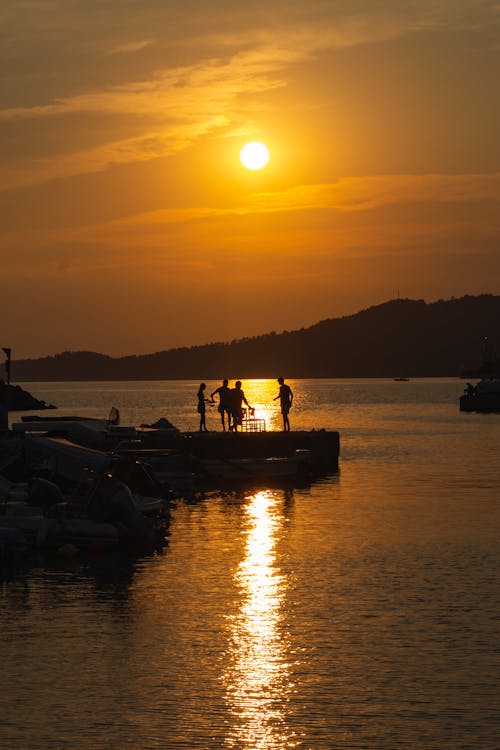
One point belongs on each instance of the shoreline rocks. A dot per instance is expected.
(17, 399)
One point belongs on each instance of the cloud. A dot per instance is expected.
(451, 213)
(183, 104)
(364, 193)
(174, 106)
(179, 93)
(346, 195)
(126, 48)
(141, 148)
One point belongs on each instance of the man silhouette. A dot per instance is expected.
(237, 399)
(223, 392)
(286, 397)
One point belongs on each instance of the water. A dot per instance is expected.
(359, 613)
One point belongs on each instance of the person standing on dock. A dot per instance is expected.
(223, 392)
(286, 398)
(202, 406)
(237, 399)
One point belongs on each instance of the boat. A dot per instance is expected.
(78, 469)
(489, 368)
(73, 495)
(88, 431)
(323, 446)
(292, 470)
(77, 450)
(482, 397)
(107, 517)
(41, 533)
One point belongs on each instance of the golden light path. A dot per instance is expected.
(258, 680)
(260, 394)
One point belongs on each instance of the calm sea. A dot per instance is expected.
(360, 613)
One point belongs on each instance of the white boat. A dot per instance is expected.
(83, 467)
(98, 433)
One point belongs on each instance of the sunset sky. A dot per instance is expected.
(129, 225)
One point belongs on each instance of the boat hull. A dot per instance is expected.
(480, 402)
(323, 446)
(51, 533)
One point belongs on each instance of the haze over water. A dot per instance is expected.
(361, 612)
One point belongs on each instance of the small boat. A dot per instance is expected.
(295, 469)
(86, 431)
(483, 397)
(44, 533)
(69, 462)
(108, 516)
(159, 462)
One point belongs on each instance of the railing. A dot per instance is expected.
(251, 424)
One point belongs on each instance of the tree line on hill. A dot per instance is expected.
(402, 337)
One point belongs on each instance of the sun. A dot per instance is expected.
(254, 155)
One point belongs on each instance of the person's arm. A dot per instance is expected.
(252, 410)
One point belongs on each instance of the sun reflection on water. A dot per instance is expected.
(258, 680)
(260, 394)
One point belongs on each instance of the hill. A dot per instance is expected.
(399, 337)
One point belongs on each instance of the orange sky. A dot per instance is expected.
(128, 223)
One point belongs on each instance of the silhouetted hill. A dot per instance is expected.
(398, 338)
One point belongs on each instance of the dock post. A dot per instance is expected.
(4, 414)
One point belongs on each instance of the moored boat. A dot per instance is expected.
(483, 397)
(43, 533)
(294, 470)
(77, 450)
(108, 517)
